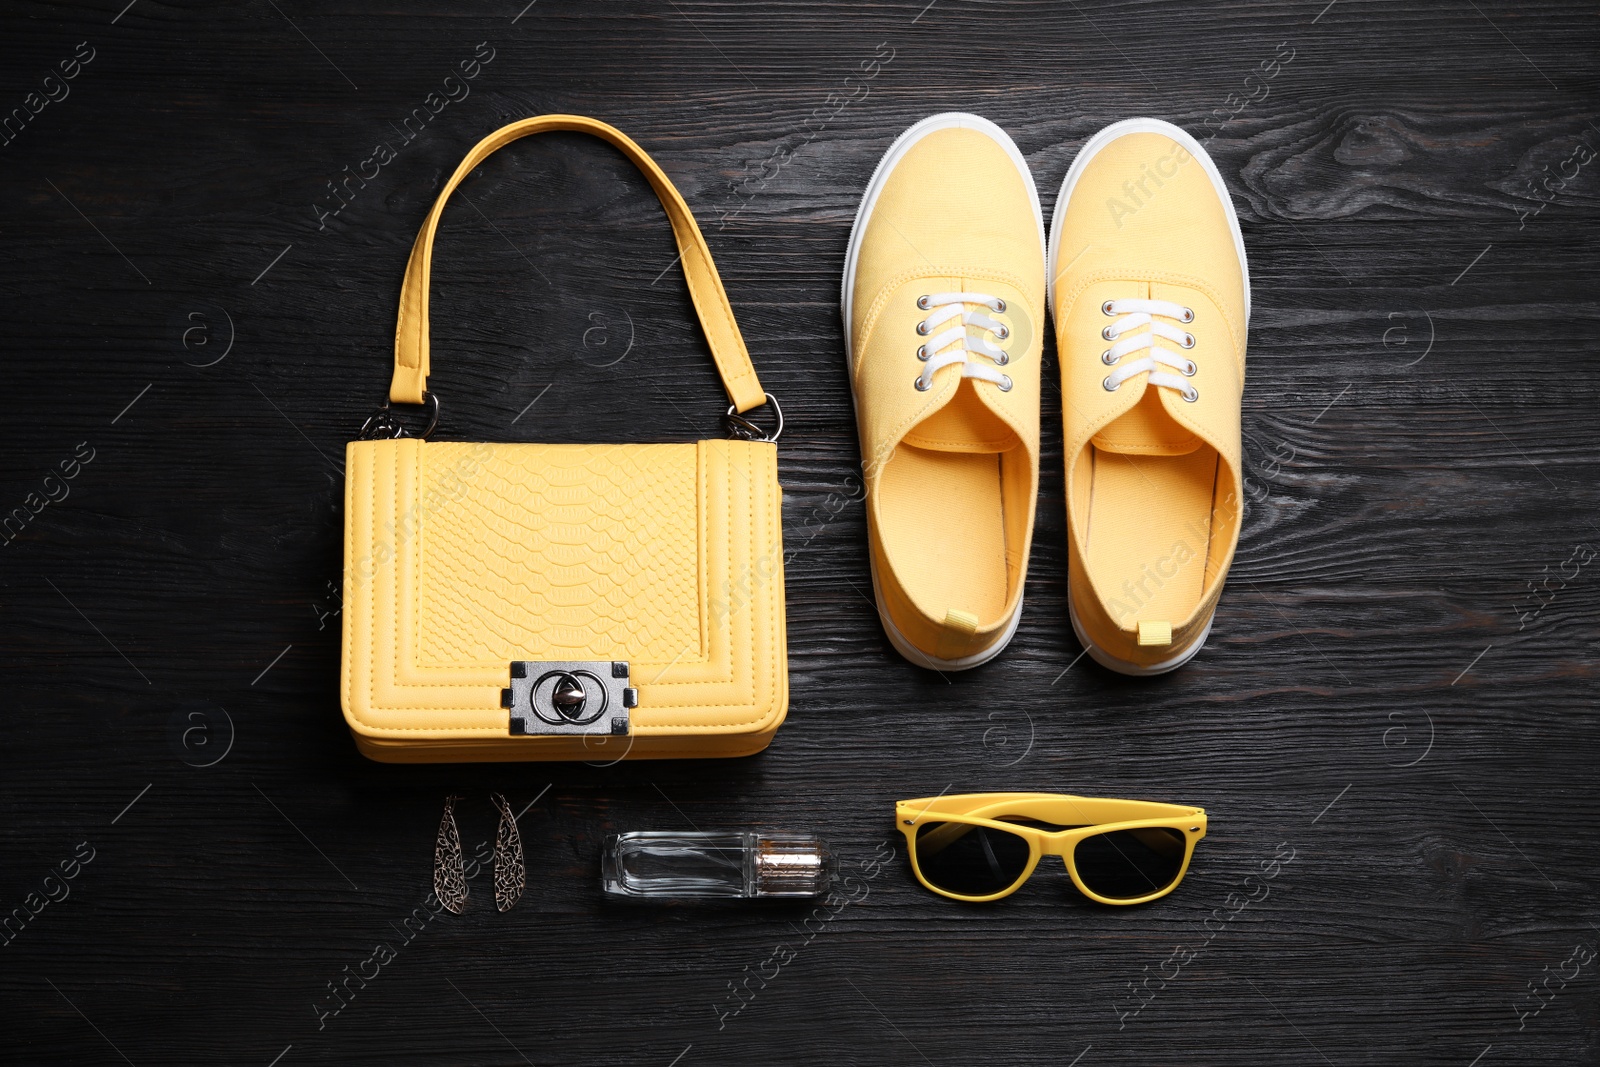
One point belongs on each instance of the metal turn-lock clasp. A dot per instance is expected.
(568, 697)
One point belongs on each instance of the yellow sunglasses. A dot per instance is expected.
(982, 846)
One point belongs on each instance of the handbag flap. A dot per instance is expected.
(464, 558)
(536, 559)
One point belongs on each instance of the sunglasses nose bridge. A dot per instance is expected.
(1054, 846)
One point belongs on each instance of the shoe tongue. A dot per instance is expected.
(1146, 429)
(965, 424)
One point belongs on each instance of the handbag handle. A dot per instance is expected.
(705, 285)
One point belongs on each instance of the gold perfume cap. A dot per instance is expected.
(792, 865)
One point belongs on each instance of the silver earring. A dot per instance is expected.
(510, 875)
(449, 866)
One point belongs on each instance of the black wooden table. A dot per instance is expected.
(204, 212)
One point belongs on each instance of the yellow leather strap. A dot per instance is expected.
(705, 285)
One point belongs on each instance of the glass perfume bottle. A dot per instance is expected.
(668, 865)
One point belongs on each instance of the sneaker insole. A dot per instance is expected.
(1150, 532)
(947, 538)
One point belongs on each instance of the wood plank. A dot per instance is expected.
(1400, 687)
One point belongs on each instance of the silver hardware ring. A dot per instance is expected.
(382, 424)
(745, 430)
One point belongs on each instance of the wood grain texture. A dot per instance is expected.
(1401, 685)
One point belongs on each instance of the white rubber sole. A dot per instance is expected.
(880, 177)
(1079, 165)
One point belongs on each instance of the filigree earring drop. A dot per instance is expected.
(510, 874)
(449, 866)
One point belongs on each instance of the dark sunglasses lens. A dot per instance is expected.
(972, 861)
(1124, 864)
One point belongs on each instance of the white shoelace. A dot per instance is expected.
(1130, 316)
(956, 345)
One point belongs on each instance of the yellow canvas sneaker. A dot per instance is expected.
(1150, 294)
(943, 299)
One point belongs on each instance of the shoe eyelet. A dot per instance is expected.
(1188, 372)
(1188, 340)
(922, 386)
(1107, 383)
(922, 302)
(1002, 359)
(1005, 386)
(1190, 394)
(922, 328)
(1188, 314)
(1106, 308)
(1000, 305)
(1108, 359)
(922, 353)
(1002, 332)
(1107, 334)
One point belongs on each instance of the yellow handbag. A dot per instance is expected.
(564, 602)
